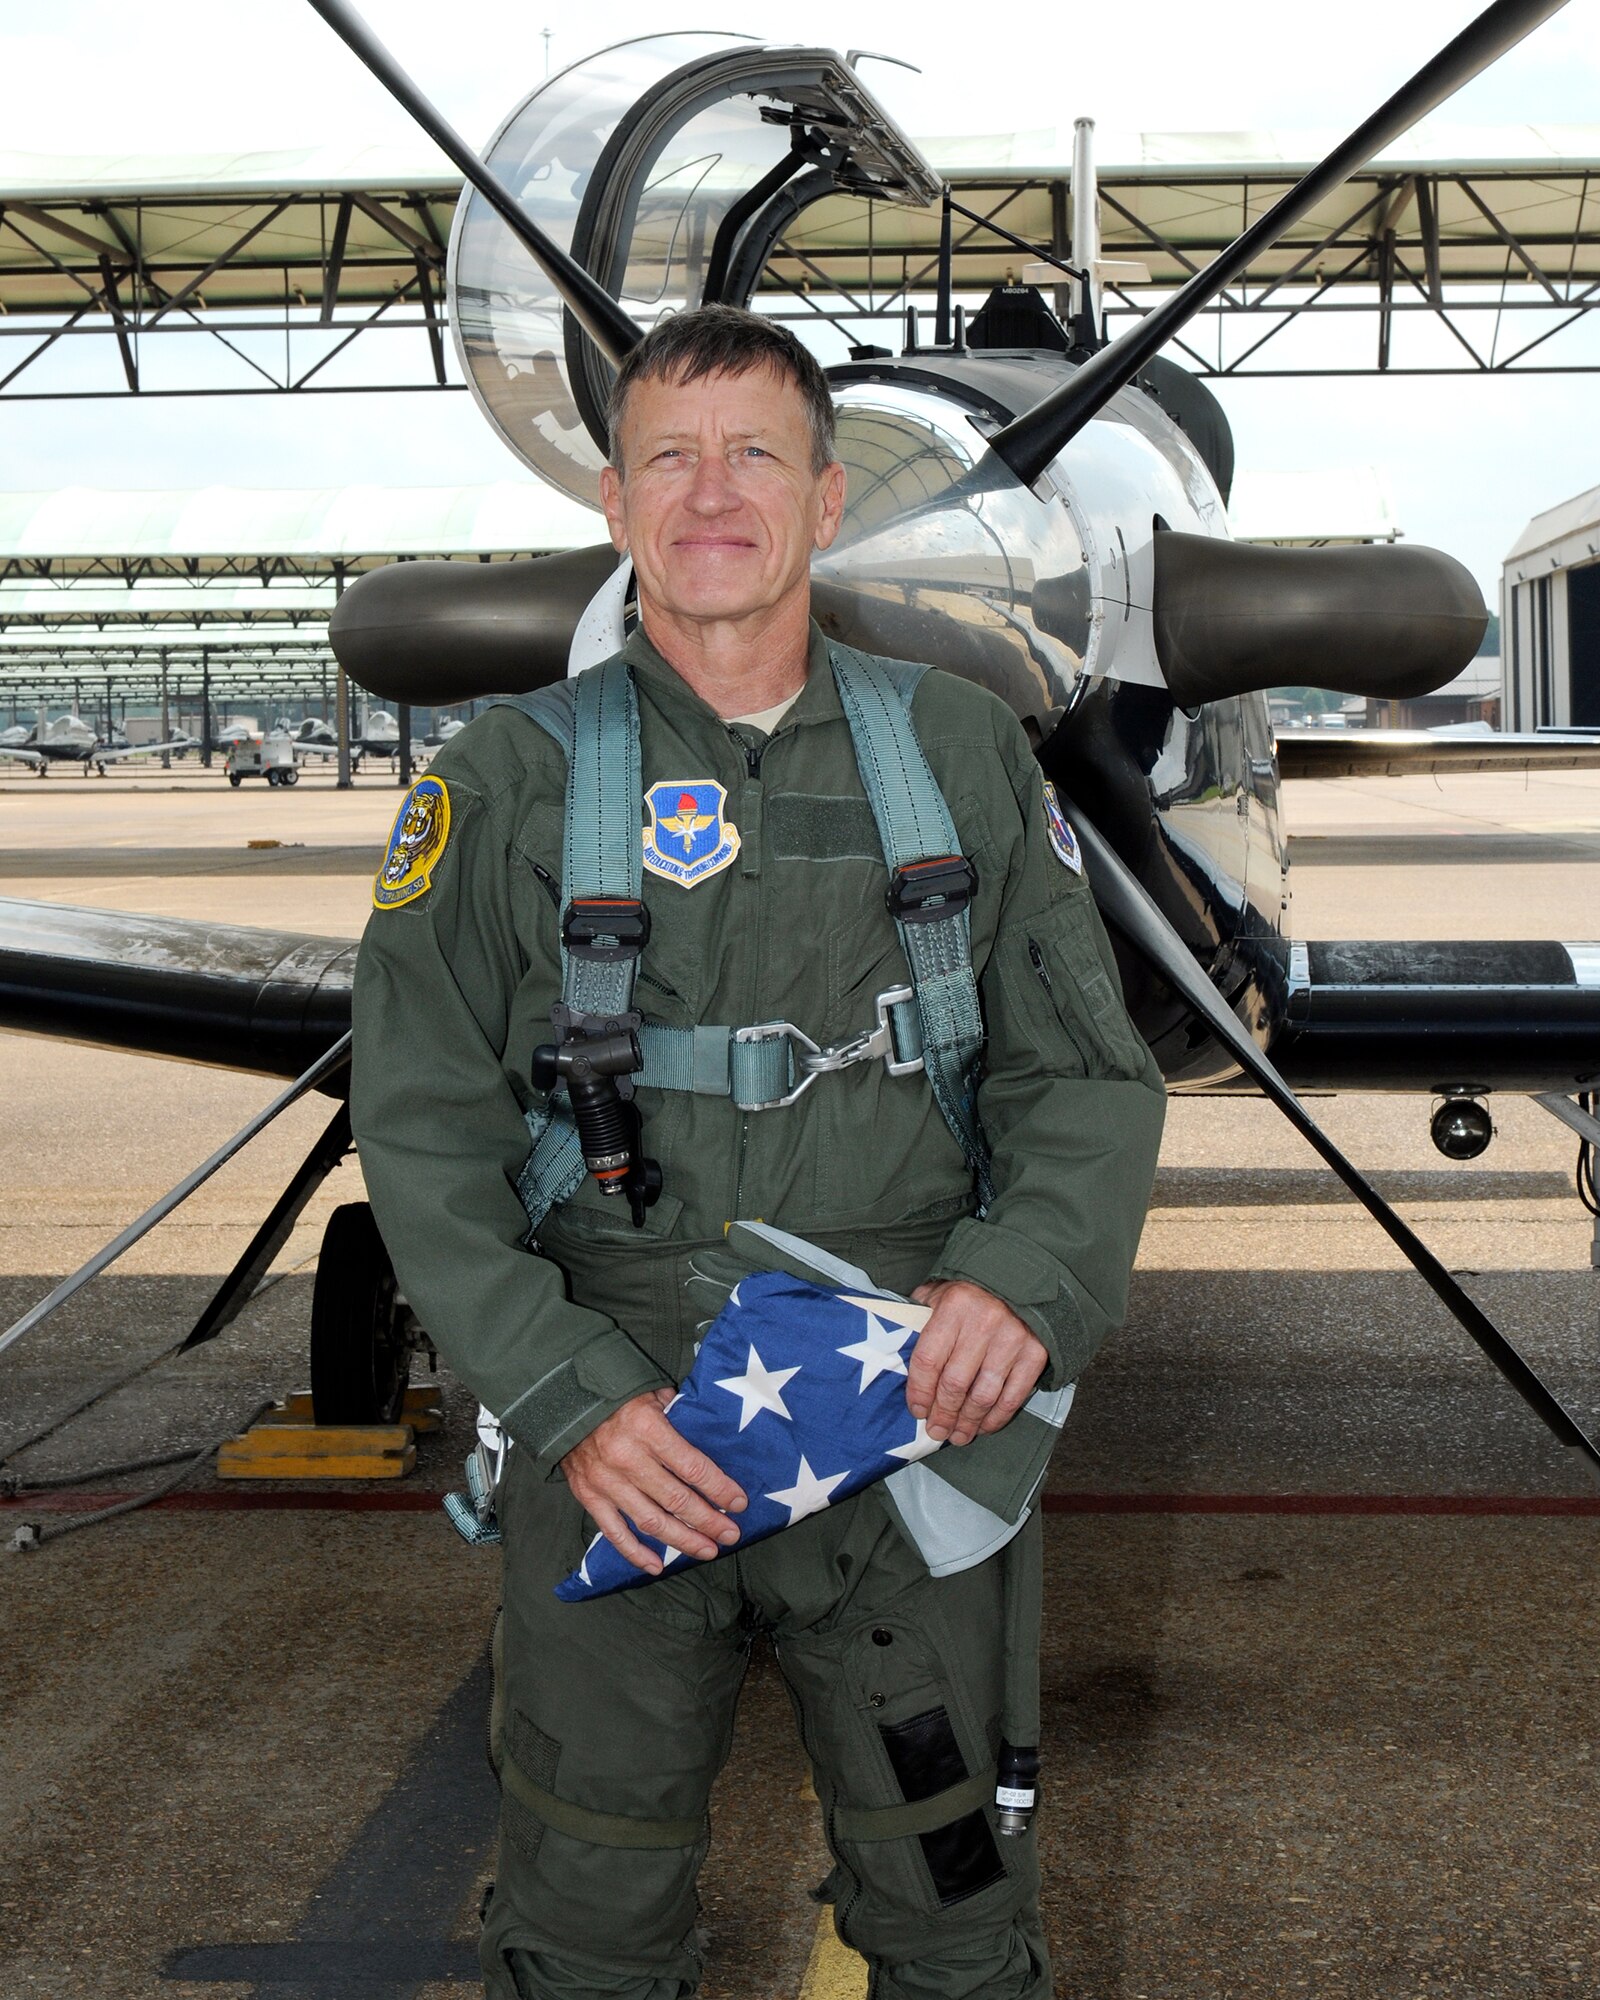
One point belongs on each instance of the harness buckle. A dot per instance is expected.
(876, 1044)
(605, 927)
(926, 892)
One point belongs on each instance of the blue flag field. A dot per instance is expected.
(798, 1393)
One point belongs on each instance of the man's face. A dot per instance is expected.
(718, 504)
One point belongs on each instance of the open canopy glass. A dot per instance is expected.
(656, 164)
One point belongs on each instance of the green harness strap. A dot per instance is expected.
(915, 826)
(937, 1027)
(595, 718)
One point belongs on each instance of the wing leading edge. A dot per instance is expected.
(1402, 753)
(1352, 1016)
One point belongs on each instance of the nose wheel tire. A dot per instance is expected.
(360, 1325)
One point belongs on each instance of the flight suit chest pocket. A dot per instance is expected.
(864, 960)
(1061, 988)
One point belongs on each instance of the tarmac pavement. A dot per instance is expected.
(1321, 1657)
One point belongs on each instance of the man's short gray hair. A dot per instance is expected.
(722, 340)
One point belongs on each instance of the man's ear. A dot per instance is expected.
(832, 514)
(611, 500)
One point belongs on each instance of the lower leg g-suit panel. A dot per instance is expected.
(615, 1716)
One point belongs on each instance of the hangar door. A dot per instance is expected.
(1583, 644)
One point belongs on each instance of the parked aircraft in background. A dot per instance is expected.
(70, 740)
(377, 736)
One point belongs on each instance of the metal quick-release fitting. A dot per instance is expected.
(1016, 1790)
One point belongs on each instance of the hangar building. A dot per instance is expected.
(1550, 619)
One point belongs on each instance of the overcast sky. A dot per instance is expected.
(1469, 460)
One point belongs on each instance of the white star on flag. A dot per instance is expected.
(583, 1567)
(917, 1446)
(808, 1494)
(759, 1388)
(879, 1353)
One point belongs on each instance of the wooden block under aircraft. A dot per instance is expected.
(280, 1448)
(422, 1410)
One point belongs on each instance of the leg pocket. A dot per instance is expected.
(961, 1855)
(904, 1768)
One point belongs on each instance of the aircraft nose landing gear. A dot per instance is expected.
(362, 1330)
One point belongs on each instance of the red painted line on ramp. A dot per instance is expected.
(1488, 1504)
(298, 1502)
(416, 1501)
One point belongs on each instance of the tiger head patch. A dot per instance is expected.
(421, 829)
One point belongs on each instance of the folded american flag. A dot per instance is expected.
(799, 1394)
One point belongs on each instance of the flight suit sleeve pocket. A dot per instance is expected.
(1065, 992)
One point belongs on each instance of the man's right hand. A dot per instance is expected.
(636, 1464)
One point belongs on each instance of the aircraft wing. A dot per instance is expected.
(1400, 1016)
(266, 1001)
(1399, 753)
(1440, 1016)
(119, 755)
(21, 756)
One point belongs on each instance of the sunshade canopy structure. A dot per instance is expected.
(1465, 250)
(105, 591)
(213, 533)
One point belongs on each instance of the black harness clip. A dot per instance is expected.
(605, 927)
(926, 892)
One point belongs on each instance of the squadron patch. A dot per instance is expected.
(421, 829)
(1063, 841)
(689, 836)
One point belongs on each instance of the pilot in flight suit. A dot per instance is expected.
(615, 1714)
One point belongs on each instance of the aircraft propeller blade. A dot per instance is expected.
(1030, 441)
(590, 304)
(1125, 903)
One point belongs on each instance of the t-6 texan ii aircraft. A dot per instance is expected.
(70, 740)
(1030, 505)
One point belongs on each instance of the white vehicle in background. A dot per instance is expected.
(269, 757)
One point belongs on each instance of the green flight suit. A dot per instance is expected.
(617, 1712)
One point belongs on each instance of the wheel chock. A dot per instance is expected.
(279, 1447)
(423, 1410)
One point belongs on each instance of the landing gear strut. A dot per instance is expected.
(1578, 1113)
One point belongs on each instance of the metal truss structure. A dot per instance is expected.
(1427, 268)
(315, 283)
(274, 286)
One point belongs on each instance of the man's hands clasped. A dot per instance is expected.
(636, 1465)
(973, 1367)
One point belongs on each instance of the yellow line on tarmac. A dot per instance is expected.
(834, 1971)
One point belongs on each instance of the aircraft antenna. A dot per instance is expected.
(1085, 251)
(1028, 444)
(590, 304)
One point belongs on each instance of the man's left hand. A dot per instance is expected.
(974, 1365)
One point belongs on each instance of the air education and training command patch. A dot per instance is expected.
(421, 829)
(1063, 841)
(689, 836)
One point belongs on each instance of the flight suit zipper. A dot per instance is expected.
(749, 824)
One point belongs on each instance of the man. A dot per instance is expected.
(616, 1713)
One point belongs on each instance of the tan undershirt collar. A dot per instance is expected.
(767, 719)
